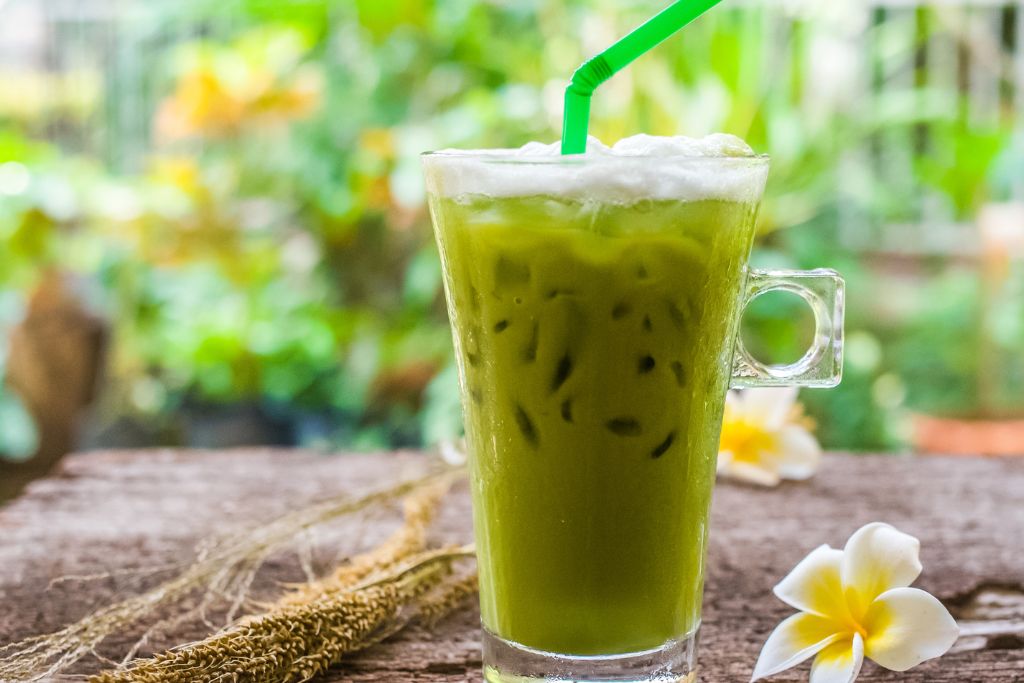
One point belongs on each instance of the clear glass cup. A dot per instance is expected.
(596, 337)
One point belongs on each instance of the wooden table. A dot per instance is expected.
(111, 511)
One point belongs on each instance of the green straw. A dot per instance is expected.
(599, 69)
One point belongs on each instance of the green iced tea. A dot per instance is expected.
(595, 341)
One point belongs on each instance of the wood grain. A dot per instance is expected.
(111, 511)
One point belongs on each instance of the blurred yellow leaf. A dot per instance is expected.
(179, 171)
(378, 141)
(199, 105)
(226, 88)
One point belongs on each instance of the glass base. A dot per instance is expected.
(508, 662)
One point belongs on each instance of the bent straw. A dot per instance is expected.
(599, 69)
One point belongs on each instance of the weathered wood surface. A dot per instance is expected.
(106, 512)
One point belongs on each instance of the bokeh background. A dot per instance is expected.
(213, 232)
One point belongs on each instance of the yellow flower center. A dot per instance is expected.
(856, 612)
(856, 626)
(747, 441)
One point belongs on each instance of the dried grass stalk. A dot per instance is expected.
(447, 599)
(313, 626)
(224, 568)
(419, 509)
(295, 642)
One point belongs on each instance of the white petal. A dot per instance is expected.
(814, 585)
(768, 406)
(800, 454)
(793, 641)
(839, 662)
(453, 452)
(745, 471)
(725, 459)
(876, 558)
(907, 626)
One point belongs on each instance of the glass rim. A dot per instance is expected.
(498, 156)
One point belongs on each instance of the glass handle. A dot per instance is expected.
(822, 365)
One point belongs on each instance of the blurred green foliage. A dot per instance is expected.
(268, 243)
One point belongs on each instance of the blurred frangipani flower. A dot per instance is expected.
(452, 451)
(856, 603)
(766, 437)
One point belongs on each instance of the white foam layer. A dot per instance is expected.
(640, 167)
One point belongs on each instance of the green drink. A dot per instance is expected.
(594, 320)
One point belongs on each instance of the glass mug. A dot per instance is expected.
(596, 338)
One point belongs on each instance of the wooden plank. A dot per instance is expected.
(110, 511)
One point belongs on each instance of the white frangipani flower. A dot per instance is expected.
(766, 438)
(856, 603)
(453, 451)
